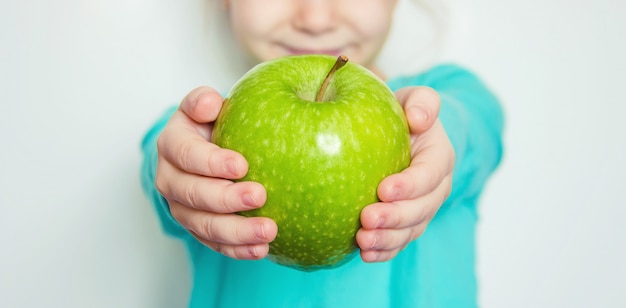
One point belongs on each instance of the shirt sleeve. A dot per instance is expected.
(148, 174)
(474, 121)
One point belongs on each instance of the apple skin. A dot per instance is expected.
(320, 162)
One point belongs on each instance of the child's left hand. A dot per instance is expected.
(411, 198)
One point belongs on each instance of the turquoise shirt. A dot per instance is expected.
(436, 270)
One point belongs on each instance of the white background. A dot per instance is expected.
(81, 81)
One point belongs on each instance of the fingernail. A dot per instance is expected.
(259, 231)
(374, 242)
(394, 192)
(253, 252)
(231, 166)
(249, 200)
(419, 113)
(379, 222)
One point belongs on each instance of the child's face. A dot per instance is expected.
(272, 28)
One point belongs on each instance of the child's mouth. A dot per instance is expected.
(308, 51)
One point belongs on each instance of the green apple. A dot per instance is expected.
(319, 135)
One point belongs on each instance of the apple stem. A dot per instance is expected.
(341, 61)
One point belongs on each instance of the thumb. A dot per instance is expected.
(202, 104)
(421, 107)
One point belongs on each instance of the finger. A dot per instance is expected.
(239, 252)
(388, 239)
(405, 213)
(421, 107)
(227, 229)
(430, 164)
(202, 104)
(190, 152)
(209, 194)
(371, 256)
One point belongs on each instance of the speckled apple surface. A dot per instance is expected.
(320, 162)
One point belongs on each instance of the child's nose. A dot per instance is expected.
(315, 16)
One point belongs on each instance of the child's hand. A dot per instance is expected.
(411, 198)
(194, 175)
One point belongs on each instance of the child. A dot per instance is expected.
(451, 116)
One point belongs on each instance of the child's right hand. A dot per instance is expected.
(195, 177)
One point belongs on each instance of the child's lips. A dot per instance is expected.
(307, 51)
